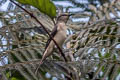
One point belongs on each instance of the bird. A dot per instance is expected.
(59, 34)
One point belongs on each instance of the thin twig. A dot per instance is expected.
(43, 28)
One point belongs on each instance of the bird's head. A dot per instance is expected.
(63, 17)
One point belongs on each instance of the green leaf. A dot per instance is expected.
(114, 57)
(99, 54)
(13, 78)
(107, 55)
(45, 6)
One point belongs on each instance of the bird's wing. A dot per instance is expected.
(53, 33)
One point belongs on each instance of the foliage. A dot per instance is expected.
(45, 6)
(91, 49)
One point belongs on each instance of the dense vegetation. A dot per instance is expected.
(92, 47)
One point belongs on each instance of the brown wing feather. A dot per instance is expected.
(53, 33)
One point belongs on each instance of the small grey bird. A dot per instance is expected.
(59, 34)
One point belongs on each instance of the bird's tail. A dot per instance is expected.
(38, 66)
(45, 55)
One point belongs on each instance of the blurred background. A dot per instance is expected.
(92, 47)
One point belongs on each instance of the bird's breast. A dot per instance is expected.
(63, 33)
(60, 37)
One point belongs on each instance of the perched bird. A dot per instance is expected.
(59, 34)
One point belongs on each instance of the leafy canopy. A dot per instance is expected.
(45, 6)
